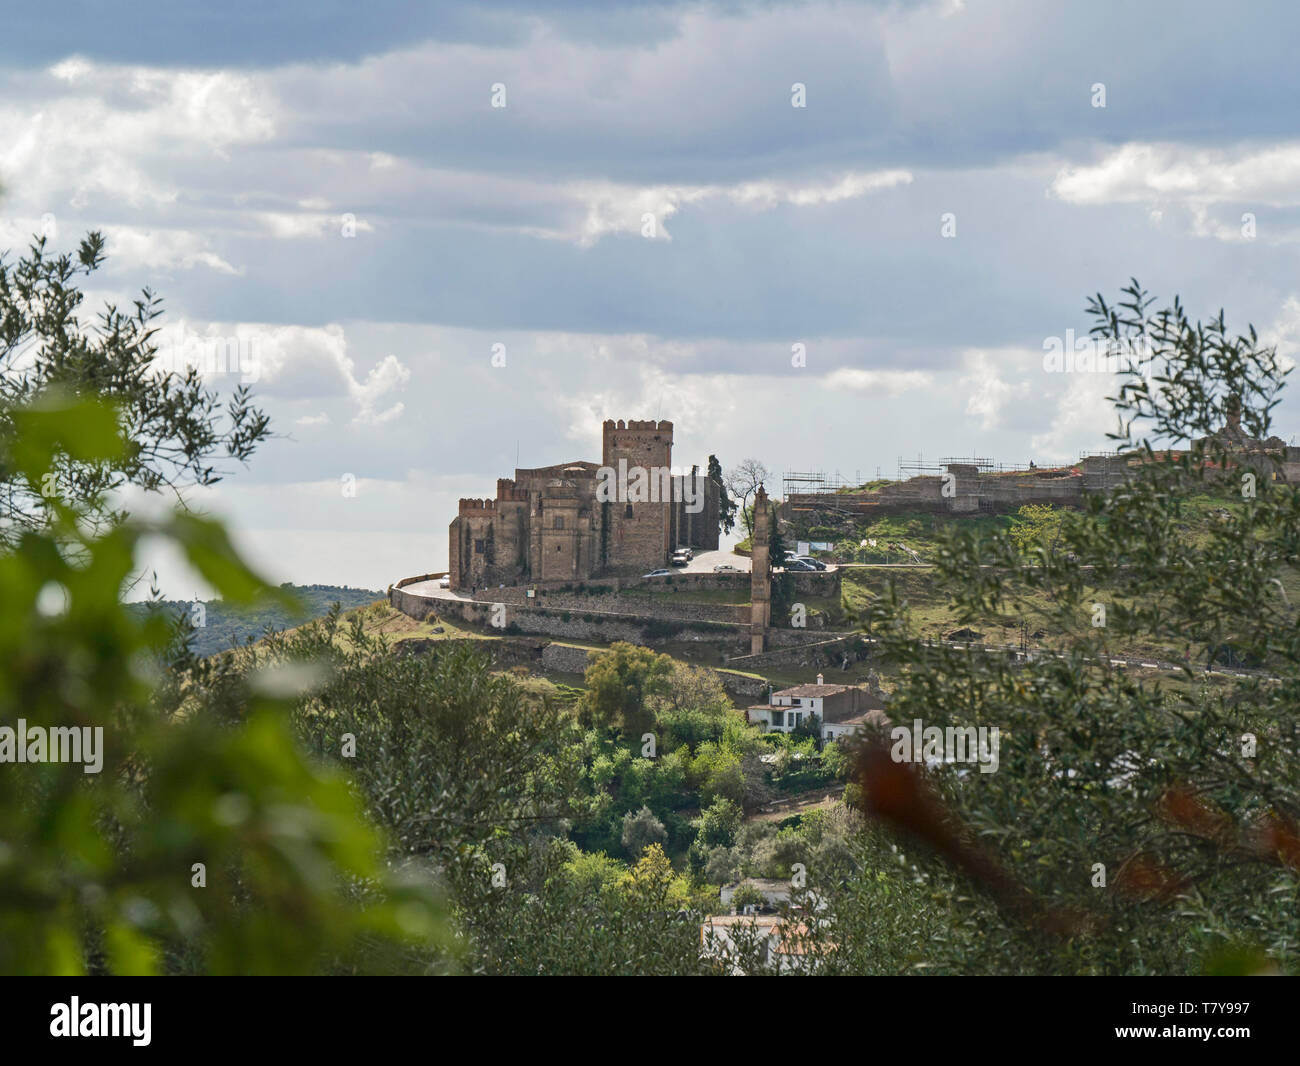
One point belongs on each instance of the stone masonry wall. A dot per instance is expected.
(574, 624)
(828, 653)
(565, 658)
(621, 603)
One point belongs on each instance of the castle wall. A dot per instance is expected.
(698, 529)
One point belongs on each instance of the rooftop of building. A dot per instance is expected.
(763, 884)
(812, 691)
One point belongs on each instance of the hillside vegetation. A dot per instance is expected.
(220, 626)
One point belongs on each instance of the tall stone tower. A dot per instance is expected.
(640, 533)
(760, 577)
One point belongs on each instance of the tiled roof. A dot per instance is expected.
(812, 690)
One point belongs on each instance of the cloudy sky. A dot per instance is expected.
(647, 227)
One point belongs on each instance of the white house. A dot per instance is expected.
(841, 709)
(782, 940)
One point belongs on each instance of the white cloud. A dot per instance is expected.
(306, 224)
(987, 393)
(1175, 173)
(162, 249)
(109, 133)
(889, 382)
(614, 208)
(388, 376)
(1083, 414)
(291, 363)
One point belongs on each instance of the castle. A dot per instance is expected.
(580, 520)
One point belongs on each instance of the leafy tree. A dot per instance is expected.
(594, 873)
(722, 865)
(777, 546)
(1132, 826)
(642, 829)
(447, 755)
(690, 688)
(688, 729)
(720, 822)
(720, 774)
(195, 844)
(726, 505)
(172, 427)
(548, 921)
(620, 685)
(1036, 528)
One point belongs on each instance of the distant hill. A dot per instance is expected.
(227, 625)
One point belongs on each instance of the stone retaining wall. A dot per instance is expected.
(565, 658)
(829, 653)
(573, 624)
(664, 607)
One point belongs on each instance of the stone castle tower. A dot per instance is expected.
(760, 579)
(640, 534)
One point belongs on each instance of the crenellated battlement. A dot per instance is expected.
(647, 425)
(479, 507)
(508, 492)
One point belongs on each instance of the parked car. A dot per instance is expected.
(686, 552)
(726, 568)
(658, 573)
(679, 560)
(444, 582)
(799, 565)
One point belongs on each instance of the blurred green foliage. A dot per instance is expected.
(98, 871)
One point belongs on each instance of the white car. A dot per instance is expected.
(657, 573)
(726, 568)
(444, 582)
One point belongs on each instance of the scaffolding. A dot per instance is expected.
(816, 482)
(909, 468)
(795, 483)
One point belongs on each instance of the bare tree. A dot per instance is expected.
(742, 482)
